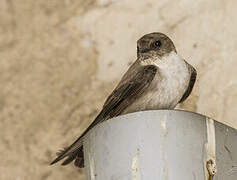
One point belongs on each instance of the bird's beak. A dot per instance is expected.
(144, 50)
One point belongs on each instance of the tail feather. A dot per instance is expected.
(79, 162)
(70, 158)
(78, 156)
(76, 149)
(61, 151)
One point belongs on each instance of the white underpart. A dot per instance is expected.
(168, 86)
(174, 79)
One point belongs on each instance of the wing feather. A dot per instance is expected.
(191, 83)
(123, 95)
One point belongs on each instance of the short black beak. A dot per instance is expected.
(144, 50)
(139, 50)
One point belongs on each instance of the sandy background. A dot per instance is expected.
(60, 59)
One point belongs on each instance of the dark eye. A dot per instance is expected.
(157, 43)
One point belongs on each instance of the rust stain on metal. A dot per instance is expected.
(210, 151)
(211, 168)
(135, 166)
(92, 167)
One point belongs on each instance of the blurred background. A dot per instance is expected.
(59, 60)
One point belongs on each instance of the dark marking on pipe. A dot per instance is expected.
(229, 152)
(210, 165)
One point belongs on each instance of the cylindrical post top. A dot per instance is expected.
(161, 145)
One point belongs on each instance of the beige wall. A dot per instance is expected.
(60, 59)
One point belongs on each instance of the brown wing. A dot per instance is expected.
(191, 83)
(124, 95)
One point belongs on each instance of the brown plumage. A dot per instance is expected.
(158, 79)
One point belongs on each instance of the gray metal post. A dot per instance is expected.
(161, 145)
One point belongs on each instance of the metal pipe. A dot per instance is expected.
(161, 145)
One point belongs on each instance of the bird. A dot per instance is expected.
(159, 79)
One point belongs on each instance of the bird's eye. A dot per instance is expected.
(157, 43)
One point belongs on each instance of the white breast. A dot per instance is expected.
(174, 80)
(168, 86)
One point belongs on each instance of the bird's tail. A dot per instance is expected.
(74, 152)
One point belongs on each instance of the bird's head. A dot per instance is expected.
(154, 45)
